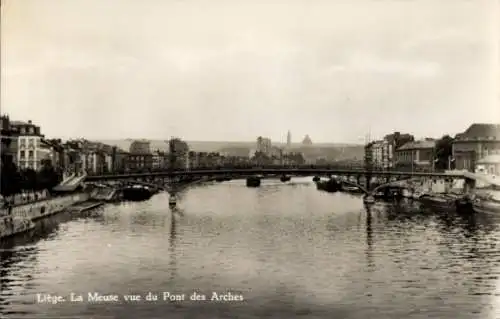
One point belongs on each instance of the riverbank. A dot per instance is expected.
(45, 207)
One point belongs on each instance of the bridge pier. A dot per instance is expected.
(253, 181)
(172, 200)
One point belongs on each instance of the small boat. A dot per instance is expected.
(439, 201)
(406, 193)
(330, 185)
(316, 179)
(172, 201)
(137, 193)
(416, 195)
(12, 226)
(487, 203)
(369, 199)
(351, 189)
(285, 178)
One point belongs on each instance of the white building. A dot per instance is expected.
(30, 150)
(382, 154)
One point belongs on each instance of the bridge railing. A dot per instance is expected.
(359, 168)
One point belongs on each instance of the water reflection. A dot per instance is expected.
(369, 239)
(17, 266)
(172, 242)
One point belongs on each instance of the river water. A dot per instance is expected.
(287, 249)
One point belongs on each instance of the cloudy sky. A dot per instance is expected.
(232, 70)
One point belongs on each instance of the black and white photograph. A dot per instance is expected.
(185, 159)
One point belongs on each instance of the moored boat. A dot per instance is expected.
(285, 178)
(350, 189)
(330, 185)
(369, 199)
(13, 225)
(488, 203)
(406, 193)
(486, 206)
(416, 195)
(438, 201)
(137, 193)
(172, 201)
(253, 181)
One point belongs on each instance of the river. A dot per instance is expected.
(288, 249)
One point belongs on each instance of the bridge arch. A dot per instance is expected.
(373, 191)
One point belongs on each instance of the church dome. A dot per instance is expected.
(307, 140)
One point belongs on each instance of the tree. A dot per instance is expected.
(443, 152)
(29, 179)
(10, 178)
(47, 177)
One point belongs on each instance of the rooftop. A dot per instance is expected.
(490, 159)
(481, 131)
(18, 123)
(423, 144)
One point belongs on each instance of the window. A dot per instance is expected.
(32, 130)
(22, 154)
(22, 130)
(30, 154)
(22, 142)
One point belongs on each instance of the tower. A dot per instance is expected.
(289, 139)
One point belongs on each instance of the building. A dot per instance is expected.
(72, 156)
(58, 153)
(368, 160)
(380, 154)
(276, 154)
(139, 162)
(478, 141)
(204, 160)
(94, 158)
(489, 165)
(416, 155)
(160, 160)
(140, 147)
(119, 160)
(264, 145)
(307, 141)
(8, 146)
(178, 154)
(289, 140)
(383, 153)
(30, 151)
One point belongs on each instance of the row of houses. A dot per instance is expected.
(477, 148)
(24, 144)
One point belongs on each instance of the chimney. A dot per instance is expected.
(29, 122)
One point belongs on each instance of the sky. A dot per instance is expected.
(233, 70)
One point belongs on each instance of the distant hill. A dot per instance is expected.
(329, 150)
